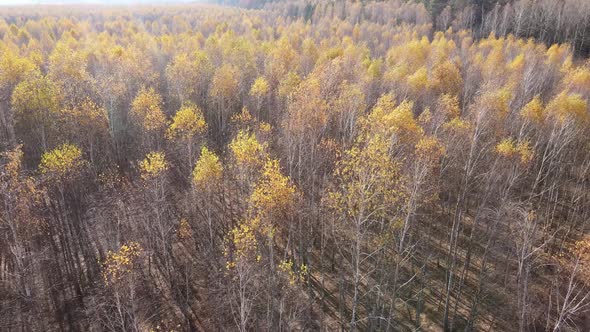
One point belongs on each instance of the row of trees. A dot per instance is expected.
(545, 20)
(200, 168)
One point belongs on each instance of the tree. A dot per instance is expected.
(206, 177)
(67, 69)
(188, 75)
(35, 102)
(87, 125)
(259, 90)
(367, 194)
(147, 116)
(225, 93)
(187, 126)
(13, 70)
(21, 198)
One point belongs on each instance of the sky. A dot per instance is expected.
(106, 2)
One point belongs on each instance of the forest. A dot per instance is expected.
(296, 165)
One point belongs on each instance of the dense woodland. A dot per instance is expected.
(373, 166)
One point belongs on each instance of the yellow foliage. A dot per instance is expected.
(557, 53)
(388, 119)
(186, 73)
(578, 79)
(517, 64)
(534, 111)
(35, 99)
(509, 148)
(397, 73)
(153, 165)
(225, 82)
(187, 123)
(243, 118)
(289, 84)
(242, 239)
(293, 274)
(375, 68)
(525, 151)
(274, 191)
(119, 263)
(457, 125)
(61, 160)
(146, 110)
(498, 101)
(449, 106)
(391, 120)
(369, 180)
(86, 117)
(208, 168)
(430, 149)
(567, 106)
(260, 87)
(446, 78)
(413, 54)
(265, 127)
(246, 149)
(418, 81)
(14, 69)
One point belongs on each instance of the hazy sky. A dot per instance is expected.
(108, 2)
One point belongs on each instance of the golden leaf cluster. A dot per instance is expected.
(509, 148)
(153, 165)
(61, 160)
(294, 274)
(274, 192)
(246, 149)
(146, 110)
(187, 123)
(208, 168)
(119, 263)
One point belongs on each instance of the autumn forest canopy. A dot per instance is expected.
(296, 166)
